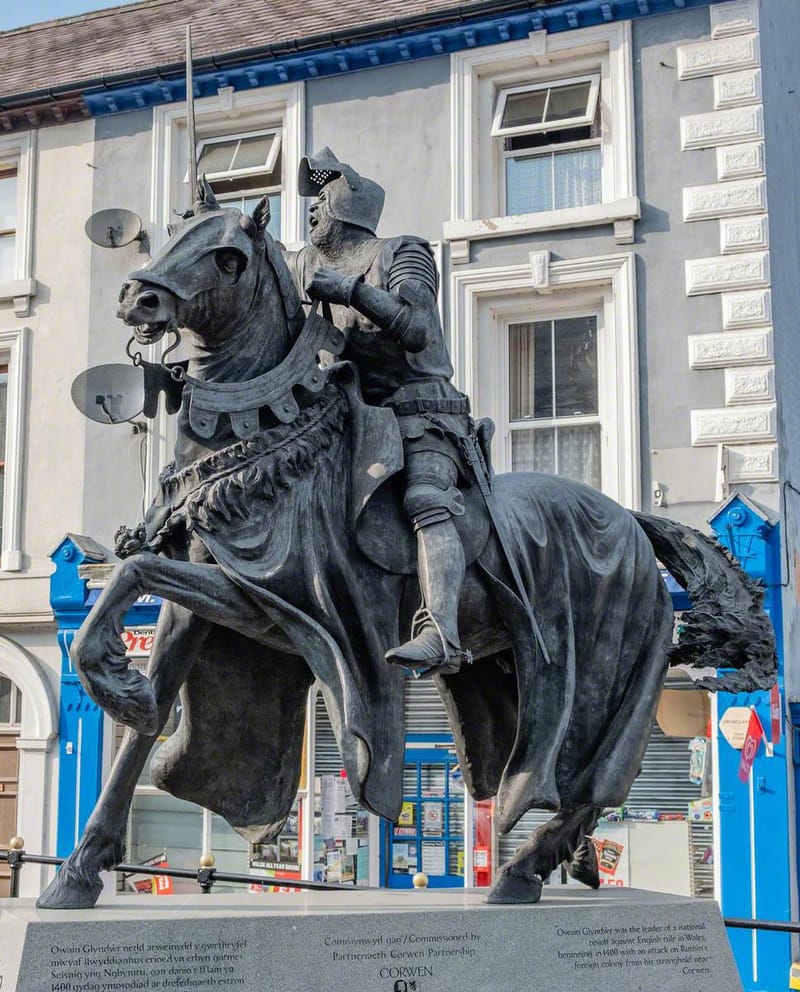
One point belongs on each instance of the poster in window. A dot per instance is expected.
(433, 857)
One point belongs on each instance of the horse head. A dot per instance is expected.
(222, 277)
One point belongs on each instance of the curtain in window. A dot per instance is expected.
(572, 452)
(577, 178)
(529, 184)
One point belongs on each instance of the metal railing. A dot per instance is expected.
(205, 874)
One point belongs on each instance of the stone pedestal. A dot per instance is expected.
(370, 941)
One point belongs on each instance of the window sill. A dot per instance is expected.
(621, 213)
(21, 292)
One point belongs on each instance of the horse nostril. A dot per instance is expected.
(148, 301)
(125, 287)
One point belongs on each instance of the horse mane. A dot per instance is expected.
(224, 484)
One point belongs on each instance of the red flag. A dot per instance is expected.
(750, 747)
(775, 714)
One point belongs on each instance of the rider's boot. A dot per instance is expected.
(435, 647)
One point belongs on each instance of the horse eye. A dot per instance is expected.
(229, 261)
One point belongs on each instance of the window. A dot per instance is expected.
(13, 381)
(249, 144)
(17, 153)
(242, 168)
(8, 224)
(553, 404)
(3, 420)
(548, 351)
(548, 138)
(10, 703)
(542, 135)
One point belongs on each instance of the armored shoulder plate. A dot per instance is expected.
(414, 260)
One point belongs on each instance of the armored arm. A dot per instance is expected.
(407, 308)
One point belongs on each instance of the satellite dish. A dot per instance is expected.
(114, 228)
(109, 394)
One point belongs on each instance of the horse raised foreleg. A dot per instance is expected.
(77, 885)
(564, 838)
(98, 652)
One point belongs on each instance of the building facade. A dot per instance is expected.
(608, 189)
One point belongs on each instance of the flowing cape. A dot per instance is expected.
(570, 727)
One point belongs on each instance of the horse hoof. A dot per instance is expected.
(513, 889)
(583, 867)
(71, 890)
(131, 703)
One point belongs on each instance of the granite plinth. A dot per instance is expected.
(370, 941)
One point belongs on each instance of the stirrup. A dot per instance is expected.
(437, 654)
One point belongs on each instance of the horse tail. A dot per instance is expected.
(726, 627)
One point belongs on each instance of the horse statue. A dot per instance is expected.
(282, 559)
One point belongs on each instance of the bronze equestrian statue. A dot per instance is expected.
(279, 545)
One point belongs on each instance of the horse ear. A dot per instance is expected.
(261, 214)
(205, 197)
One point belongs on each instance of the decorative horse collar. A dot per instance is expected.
(242, 401)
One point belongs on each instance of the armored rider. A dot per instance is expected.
(382, 292)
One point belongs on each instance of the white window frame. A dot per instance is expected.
(476, 79)
(558, 309)
(498, 131)
(255, 170)
(283, 106)
(18, 152)
(484, 301)
(15, 724)
(14, 350)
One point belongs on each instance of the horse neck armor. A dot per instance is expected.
(273, 390)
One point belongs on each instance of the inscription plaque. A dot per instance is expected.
(378, 941)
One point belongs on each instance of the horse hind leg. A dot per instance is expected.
(77, 885)
(564, 838)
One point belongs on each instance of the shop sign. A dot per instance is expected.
(432, 819)
(138, 641)
(733, 725)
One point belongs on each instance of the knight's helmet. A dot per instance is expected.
(351, 198)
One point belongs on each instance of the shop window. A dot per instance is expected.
(242, 168)
(553, 403)
(543, 135)
(548, 138)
